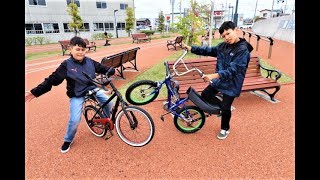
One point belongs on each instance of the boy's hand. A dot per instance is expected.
(184, 46)
(208, 77)
(28, 96)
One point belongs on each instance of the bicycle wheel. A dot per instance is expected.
(194, 119)
(138, 93)
(96, 128)
(139, 136)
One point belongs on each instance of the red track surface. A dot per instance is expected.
(260, 146)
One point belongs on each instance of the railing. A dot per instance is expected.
(265, 38)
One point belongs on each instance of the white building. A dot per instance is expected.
(49, 18)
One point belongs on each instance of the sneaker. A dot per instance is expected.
(66, 146)
(223, 134)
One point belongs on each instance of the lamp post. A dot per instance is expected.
(115, 21)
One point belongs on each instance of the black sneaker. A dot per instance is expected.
(65, 147)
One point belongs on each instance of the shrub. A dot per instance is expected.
(148, 32)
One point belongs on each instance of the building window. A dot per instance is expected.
(51, 27)
(69, 29)
(123, 6)
(85, 27)
(121, 26)
(98, 27)
(103, 26)
(37, 2)
(77, 2)
(108, 26)
(66, 27)
(33, 29)
(101, 5)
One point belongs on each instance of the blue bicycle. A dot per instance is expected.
(187, 118)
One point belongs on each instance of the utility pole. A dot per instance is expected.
(115, 21)
(236, 14)
(172, 8)
(231, 12)
(180, 10)
(211, 23)
(272, 9)
(255, 10)
(134, 16)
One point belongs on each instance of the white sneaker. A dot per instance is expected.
(223, 134)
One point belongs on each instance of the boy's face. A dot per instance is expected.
(230, 36)
(78, 52)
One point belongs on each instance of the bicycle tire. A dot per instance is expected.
(98, 130)
(135, 96)
(186, 126)
(130, 136)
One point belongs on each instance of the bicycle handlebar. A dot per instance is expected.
(180, 59)
(103, 83)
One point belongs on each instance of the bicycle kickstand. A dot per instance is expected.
(108, 136)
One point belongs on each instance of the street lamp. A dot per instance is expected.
(115, 21)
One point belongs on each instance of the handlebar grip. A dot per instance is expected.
(110, 72)
(201, 74)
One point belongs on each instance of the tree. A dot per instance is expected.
(76, 20)
(129, 20)
(161, 22)
(191, 26)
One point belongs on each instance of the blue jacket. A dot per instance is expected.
(232, 63)
(71, 70)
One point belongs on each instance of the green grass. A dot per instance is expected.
(32, 56)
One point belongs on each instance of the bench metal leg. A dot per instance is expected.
(271, 95)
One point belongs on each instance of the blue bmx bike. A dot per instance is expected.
(188, 117)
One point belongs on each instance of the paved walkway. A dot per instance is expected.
(260, 145)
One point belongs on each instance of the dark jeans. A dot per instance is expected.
(209, 95)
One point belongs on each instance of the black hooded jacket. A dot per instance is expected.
(232, 63)
(71, 70)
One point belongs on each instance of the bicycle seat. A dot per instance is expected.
(201, 103)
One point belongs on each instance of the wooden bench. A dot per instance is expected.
(90, 45)
(66, 43)
(64, 46)
(253, 79)
(138, 37)
(119, 60)
(175, 43)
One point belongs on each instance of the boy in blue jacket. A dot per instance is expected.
(233, 56)
(77, 85)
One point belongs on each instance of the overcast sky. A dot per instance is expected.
(151, 8)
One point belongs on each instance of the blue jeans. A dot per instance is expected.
(76, 111)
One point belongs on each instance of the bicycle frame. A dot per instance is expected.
(172, 107)
(116, 94)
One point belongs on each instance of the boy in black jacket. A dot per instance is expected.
(233, 56)
(77, 85)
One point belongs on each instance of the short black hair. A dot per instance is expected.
(226, 25)
(76, 40)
